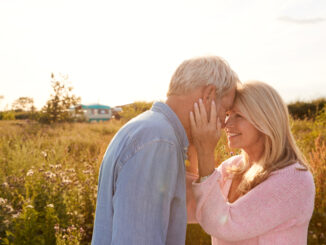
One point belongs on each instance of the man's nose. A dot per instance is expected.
(223, 120)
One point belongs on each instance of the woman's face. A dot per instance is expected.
(242, 134)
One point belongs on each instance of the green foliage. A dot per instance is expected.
(197, 236)
(321, 117)
(48, 179)
(8, 115)
(132, 110)
(317, 159)
(306, 110)
(57, 108)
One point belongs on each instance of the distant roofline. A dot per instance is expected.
(96, 106)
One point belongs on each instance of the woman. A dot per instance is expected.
(266, 194)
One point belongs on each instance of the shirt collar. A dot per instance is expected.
(174, 121)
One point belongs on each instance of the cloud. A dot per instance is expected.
(301, 21)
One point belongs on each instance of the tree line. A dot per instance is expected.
(59, 106)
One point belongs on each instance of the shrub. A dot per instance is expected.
(306, 110)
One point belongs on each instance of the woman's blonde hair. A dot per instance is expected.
(203, 71)
(264, 108)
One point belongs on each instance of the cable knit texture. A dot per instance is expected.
(277, 211)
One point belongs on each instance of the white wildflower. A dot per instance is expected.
(3, 201)
(44, 154)
(30, 172)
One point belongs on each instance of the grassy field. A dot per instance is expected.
(48, 180)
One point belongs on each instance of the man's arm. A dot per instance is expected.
(144, 190)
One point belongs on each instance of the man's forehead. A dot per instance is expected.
(228, 99)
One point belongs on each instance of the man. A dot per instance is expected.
(141, 192)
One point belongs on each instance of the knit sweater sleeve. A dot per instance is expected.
(286, 196)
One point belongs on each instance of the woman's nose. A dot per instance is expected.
(228, 122)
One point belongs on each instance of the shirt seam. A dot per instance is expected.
(142, 146)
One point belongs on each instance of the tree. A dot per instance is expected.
(23, 103)
(134, 109)
(57, 108)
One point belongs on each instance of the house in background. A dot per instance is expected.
(95, 112)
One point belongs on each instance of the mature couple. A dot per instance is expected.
(147, 195)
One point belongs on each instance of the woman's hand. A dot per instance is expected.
(205, 133)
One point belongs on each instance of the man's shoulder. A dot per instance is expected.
(151, 125)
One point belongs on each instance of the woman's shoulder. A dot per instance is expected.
(295, 174)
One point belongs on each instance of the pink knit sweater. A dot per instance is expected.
(277, 211)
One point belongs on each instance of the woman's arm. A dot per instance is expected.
(205, 134)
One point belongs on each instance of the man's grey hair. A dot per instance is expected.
(202, 71)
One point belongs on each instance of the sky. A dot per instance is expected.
(118, 52)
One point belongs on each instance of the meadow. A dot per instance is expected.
(48, 179)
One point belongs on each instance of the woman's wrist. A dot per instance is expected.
(206, 165)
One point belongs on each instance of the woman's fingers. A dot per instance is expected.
(192, 121)
(212, 119)
(218, 128)
(197, 116)
(203, 114)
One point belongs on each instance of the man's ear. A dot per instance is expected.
(209, 94)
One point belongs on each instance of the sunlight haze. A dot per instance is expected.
(118, 52)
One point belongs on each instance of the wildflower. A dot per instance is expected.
(16, 215)
(5, 184)
(50, 205)
(71, 228)
(29, 206)
(3, 201)
(71, 170)
(10, 209)
(86, 171)
(44, 154)
(57, 166)
(66, 181)
(49, 174)
(56, 227)
(30, 172)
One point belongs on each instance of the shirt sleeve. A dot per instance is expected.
(281, 198)
(144, 191)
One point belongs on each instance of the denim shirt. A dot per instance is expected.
(141, 196)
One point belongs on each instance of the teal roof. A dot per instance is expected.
(95, 106)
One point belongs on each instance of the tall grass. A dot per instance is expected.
(48, 180)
